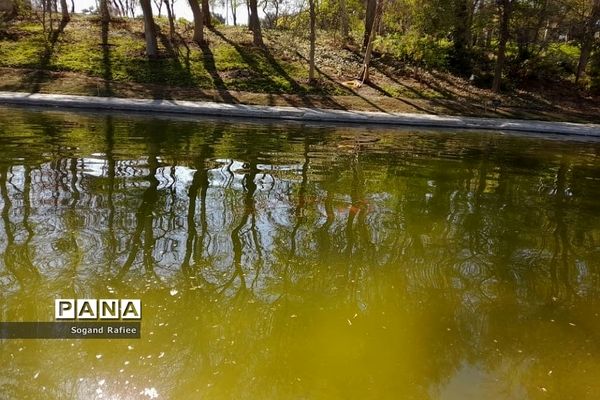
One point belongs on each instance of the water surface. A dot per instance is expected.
(297, 262)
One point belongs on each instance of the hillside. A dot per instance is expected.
(78, 61)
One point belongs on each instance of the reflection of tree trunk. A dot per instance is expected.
(236, 239)
(199, 183)
(144, 217)
(16, 257)
(75, 195)
(561, 236)
(110, 176)
(27, 206)
(357, 209)
(300, 218)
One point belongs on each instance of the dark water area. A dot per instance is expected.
(298, 262)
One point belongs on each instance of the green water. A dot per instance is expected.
(290, 262)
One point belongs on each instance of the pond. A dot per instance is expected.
(289, 261)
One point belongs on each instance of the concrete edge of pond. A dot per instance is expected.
(297, 113)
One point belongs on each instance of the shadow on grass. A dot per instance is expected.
(208, 60)
(298, 90)
(106, 60)
(33, 82)
(344, 88)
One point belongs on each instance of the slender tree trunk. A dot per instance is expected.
(369, 19)
(372, 34)
(255, 23)
(313, 37)
(64, 8)
(344, 24)
(49, 10)
(149, 29)
(198, 22)
(72, 6)
(206, 14)
(501, 54)
(248, 10)
(171, 20)
(587, 43)
(120, 7)
(234, 11)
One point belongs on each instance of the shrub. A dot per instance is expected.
(557, 62)
(422, 51)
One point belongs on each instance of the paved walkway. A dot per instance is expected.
(297, 113)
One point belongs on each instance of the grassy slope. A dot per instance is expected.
(230, 69)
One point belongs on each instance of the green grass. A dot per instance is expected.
(234, 65)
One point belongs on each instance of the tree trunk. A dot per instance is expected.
(64, 8)
(149, 30)
(72, 6)
(586, 50)
(587, 43)
(206, 14)
(369, 19)
(234, 11)
(198, 22)
(171, 20)
(255, 23)
(104, 14)
(461, 35)
(313, 37)
(372, 34)
(500, 55)
(345, 30)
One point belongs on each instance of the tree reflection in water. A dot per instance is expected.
(295, 262)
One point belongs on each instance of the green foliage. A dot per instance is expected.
(558, 61)
(424, 51)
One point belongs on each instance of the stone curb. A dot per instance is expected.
(297, 113)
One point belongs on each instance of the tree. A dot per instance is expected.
(369, 20)
(234, 6)
(461, 37)
(149, 29)
(590, 27)
(171, 18)
(506, 8)
(198, 22)
(372, 34)
(104, 13)
(255, 23)
(313, 37)
(64, 8)
(206, 14)
(344, 24)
